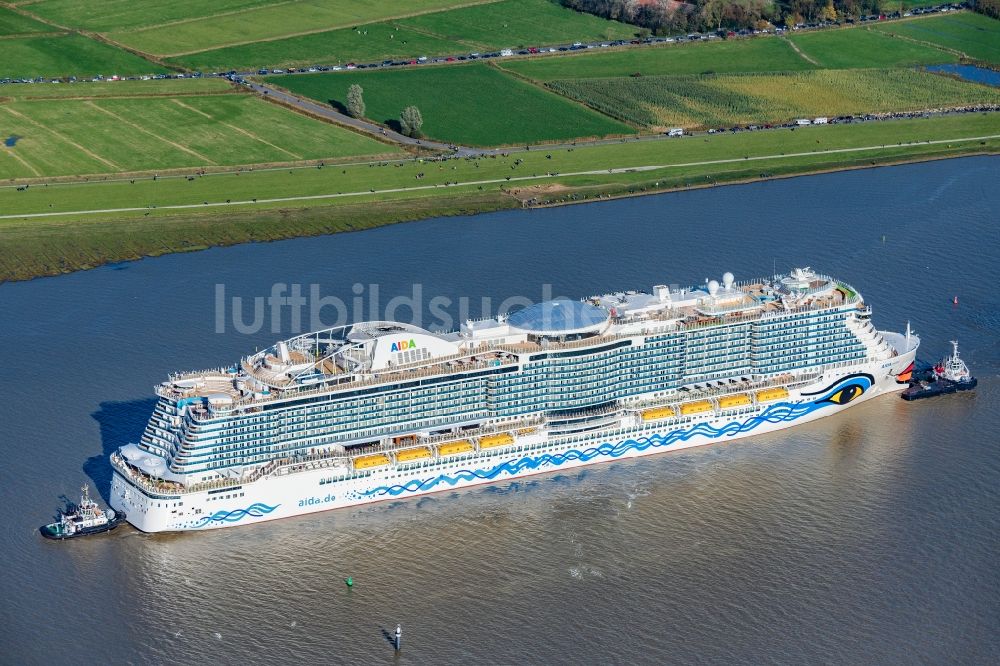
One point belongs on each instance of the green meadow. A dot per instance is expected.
(472, 104)
(518, 24)
(272, 21)
(105, 15)
(975, 35)
(68, 55)
(692, 157)
(484, 27)
(129, 134)
(12, 23)
(232, 167)
(375, 42)
(848, 48)
(358, 196)
(108, 88)
(746, 55)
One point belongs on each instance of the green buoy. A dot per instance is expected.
(350, 581)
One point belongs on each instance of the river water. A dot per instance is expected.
(869, 537)
(969, 73)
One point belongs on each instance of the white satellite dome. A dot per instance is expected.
(713, 287)
(727, 280)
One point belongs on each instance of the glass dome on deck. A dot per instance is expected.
(559, 317)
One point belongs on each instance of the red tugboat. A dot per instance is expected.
(948, 376)
(82, 520)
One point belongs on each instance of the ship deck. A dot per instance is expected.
(748, 302)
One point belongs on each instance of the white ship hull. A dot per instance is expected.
(303, 491)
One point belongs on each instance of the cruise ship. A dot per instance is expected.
(383, 410)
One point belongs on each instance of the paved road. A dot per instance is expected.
(327, 111)
(493, 181)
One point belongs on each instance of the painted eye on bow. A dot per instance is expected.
(846, 394)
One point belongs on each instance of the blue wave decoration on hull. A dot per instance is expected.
(843, 391)
(256, 510)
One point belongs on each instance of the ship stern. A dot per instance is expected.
(145, 513)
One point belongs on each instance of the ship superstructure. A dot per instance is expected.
(379, 409)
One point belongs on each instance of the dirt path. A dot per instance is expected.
(796, 48)
(939, 47)
(22, 35)
(23, 162)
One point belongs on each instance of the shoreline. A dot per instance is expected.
(339, 219)
(785, 176)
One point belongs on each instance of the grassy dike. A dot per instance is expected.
(73, 226)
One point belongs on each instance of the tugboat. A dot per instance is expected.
(82, 520)
(949, 375)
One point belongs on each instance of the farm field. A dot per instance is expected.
(12, 23)
(518, 24)
(724, 100)
(693, 155)
(54, 244)
(89, 89)
(275, 20)
(376, 42)
(68, 55)
(472, 104)
(104, 15)
(975, 35)
(497, 25)
(129, 134)
(847, 48)
(746, 55)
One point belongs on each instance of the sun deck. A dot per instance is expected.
(372, 353)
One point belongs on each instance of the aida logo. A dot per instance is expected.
(403, 345)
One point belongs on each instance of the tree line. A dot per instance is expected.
(666, 17)
(411, 121)
(990, 8)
